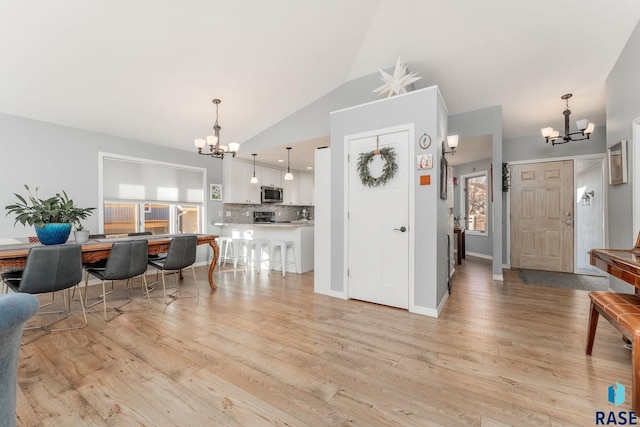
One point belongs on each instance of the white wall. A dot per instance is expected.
(487, 121)
(322, 221)
(476, 244)
(623, 106)
(588, 218)
(312, 121)
(426, 111)
(56, 158)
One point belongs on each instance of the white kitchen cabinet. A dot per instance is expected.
(305, 191)
(298, 192)
(270, 177)
(236, 186)
(290, 189)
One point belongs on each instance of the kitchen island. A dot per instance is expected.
(299, 232)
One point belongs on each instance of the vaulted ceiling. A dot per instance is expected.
(147, 70)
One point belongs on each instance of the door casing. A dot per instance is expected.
(507, 235)
(409, 127)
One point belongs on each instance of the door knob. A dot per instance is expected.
(569, 222)
(402, 229)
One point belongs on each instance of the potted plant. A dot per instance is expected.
(456, 220)
(81, 234)
(52, 218)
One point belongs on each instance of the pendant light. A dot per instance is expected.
(216, 150)
(254, 180)
(585, 128)
(288, 176)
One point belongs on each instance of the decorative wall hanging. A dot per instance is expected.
(424, 141)
(215, 191)
(388, 170)
(506, 178)
(618, 163)
(397, 83)
(425, 161)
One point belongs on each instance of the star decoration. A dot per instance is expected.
(397, 83)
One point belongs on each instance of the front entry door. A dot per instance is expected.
(378, 248)
(542, 216)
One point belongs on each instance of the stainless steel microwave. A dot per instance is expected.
(271, 194)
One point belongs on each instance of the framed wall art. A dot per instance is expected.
(618, 163)
(215, 191)
(424, 161)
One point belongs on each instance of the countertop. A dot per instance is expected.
(292, 224)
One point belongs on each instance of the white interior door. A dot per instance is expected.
(378, 235)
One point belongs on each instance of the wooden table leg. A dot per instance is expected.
(214, 262)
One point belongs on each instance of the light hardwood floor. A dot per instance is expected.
(263, 350)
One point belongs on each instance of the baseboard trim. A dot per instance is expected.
(498, 277)
(479, 255)
(424, 311)
(338, 294)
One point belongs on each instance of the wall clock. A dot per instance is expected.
(424, 141)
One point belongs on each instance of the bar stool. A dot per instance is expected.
(255, 251)
(222, 242)
(283, 261)
(235, 245)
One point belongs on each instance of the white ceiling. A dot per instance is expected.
(147, 69)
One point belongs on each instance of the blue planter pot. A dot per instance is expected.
(53, 233)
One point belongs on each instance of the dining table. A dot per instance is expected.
(13, 252)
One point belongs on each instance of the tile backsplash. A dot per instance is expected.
(243, 214)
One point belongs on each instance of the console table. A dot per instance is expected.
(460, 236)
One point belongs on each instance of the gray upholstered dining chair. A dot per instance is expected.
(100, 263)
(148, 233)
(127, 259)
(51, 269)
(181, 254)
(15, 310)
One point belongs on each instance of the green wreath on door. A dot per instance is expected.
(388, 170)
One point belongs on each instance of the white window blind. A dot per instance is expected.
(140, 181)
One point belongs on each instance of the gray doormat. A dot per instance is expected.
(564, 280)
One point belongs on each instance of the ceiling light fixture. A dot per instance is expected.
(586, 128)
(452, 142)
(215, 148)
(288, 176)
(254, 180)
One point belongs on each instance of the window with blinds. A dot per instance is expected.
(142, 195)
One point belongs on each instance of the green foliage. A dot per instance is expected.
(388, 170)
(33, 210)
(506, 178)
